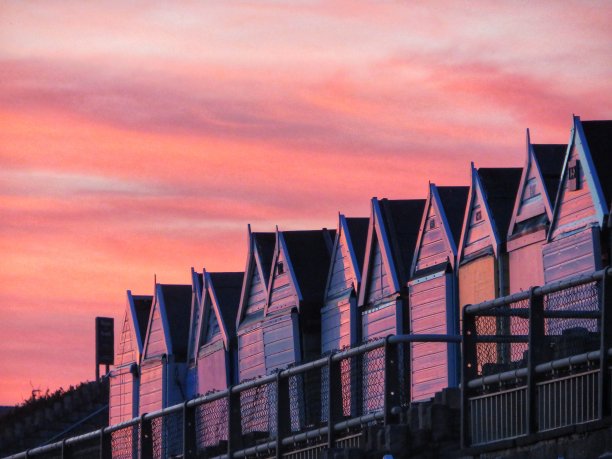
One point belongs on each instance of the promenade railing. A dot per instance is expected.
(297, 412)
(538, 360)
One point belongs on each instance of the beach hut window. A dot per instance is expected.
(573, 180)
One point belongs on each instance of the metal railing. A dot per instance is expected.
(297, 412)
(533, 361)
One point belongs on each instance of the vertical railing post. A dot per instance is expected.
(234, 419)
(65, 450)
(283, 415)
(391, 383)
(146, 438)
(469, 370)
(190, 446)
(106, 445)
(605, 386)
(334, 397)
(536, 344)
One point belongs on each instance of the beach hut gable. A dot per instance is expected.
(254, 292)
(344, 274)
(580, 200)
(435, 244)
(479, 231)
(157, 342)
(380, 278)
(284, 291)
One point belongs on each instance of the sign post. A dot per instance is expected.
(105, 343)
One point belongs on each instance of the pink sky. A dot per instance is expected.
(140, 138)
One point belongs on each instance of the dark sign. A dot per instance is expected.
(105, 341)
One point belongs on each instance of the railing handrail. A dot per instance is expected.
(473, 309)
(286, 373)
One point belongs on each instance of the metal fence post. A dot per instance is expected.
(334, 396)
(536, 343)
(190, 446)
(234, 419)
(283, 416)
(391, 394)
(605, 386)
(469, 370)
(146, 438)
(106, 445)
(65, 450)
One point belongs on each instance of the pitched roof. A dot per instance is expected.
(550, 158)
(358, 232)
(227, 288)
(402, 219)
(177, 300)
(500, 186)
(309, 254)
(454, 202)
(599, 138)
(265, 243)
(142, 304)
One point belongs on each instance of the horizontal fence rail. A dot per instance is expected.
(297, 412)
(537, 361)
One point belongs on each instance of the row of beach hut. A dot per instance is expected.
(406, 268)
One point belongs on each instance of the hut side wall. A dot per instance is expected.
(281, 344)
(478, 280)
(123, 395)
(572, 255)
(152, 386)
(526, 265)
(336, 313)
(431, 303)
(212, 366)
(251, 362)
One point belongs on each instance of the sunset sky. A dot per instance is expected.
(140, 138)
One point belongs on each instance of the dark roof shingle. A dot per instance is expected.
(227, 287)
(310, 258)
(454, 202)
(177, 299)
(599, 137)
(500, 186)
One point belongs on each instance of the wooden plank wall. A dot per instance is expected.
(428, 315)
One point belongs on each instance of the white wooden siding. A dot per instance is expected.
(283, 294)
(128, 348)
(433, 248)
(429, 306)
(572, 255)
(251, 362)
(478, 234)
(156, 345)
(123, 387)
(336, 324)
(379, 285)
(532, 201)
(280, 344)
(576, 208)
(212, 366)
(342, 273)
(380, 321)
(257, 294)
(151, 386)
